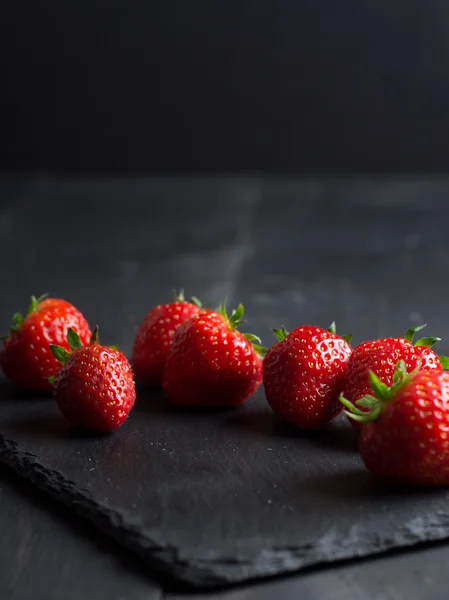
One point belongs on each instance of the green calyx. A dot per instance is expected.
(235, 320)
(428, 342)
(18, 319)
(282, 333)
(179, 297)
(381, 396)
(74, 342)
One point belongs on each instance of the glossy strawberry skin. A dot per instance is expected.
(95, 388)
(26, 358)
(409, 441)
(210, 365)
(304, 374)
(154, 338)
(381, 357)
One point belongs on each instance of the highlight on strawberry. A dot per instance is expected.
(211, 363)
(25, 356)
(405, 431)
(94, 388)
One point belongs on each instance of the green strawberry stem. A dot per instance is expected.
(235, 320)
(73, 340)
(18, 319)
(382, 394)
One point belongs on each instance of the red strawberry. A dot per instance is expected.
(404, 438)
(381, 357)
(211, 363)
(95, 387)
(303, 375)
(25, 357)
(154, 338)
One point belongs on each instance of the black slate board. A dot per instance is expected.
(221, 497)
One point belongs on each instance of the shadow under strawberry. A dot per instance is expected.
(153, 401)
(358, 485)
(336, 436)
(8, 391)
(42, 427)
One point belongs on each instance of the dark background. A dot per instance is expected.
(141, 86)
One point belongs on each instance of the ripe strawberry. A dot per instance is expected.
(381, 357)
(95, 387)
(404, 438)
(211, 363)
(154, 338)
(303, 375)
(25, 357)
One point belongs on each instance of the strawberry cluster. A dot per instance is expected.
(393, 390)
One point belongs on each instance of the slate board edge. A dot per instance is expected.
(217, 571)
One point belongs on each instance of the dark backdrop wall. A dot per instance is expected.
(219, 85)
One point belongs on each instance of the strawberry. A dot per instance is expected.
(154, 337)
(381, 357)
(25, 357)
(303, 375)
(95, 387)
(404, 438)
(211, 363)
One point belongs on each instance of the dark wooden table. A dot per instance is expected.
(46, 552)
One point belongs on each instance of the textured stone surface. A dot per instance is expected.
(217, 498)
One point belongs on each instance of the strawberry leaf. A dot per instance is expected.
(34, 303)
(60, 354)
(347, 337)
(17, 318)
(260, 350)
(179, 296)
(367, 402)
(353, 410)
(427, 341)
(51, 379)
(444, 360)
(379, 388)
(281, 333)
(73, 340)
(95, 337)
(252, 338)
(410, 333)
(333, 328)
(236, 316)
(115, 348)
(194, 300)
